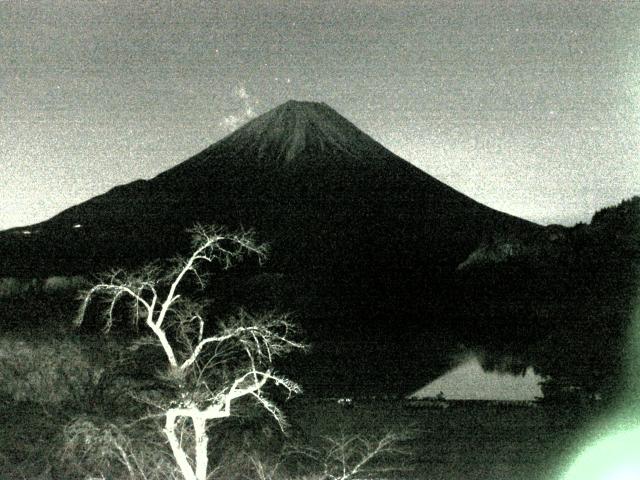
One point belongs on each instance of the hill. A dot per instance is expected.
(560, 300)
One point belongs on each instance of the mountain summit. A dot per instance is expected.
(291, 132)
(294, 127)
(364, 244)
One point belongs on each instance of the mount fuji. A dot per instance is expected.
(364, 245)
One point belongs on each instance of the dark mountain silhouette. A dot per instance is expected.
(303, 176)
(365, 246)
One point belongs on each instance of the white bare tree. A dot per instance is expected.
(212, 367)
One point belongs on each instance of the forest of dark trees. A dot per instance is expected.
(560, 301)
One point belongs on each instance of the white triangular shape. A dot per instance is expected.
(469, 381)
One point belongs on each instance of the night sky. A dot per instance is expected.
(530, 107)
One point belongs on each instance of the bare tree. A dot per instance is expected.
(353, 457)
(212, 370)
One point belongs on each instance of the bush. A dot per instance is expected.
(11, 287)
(352, 457)
(93, 447)
(55, 372)
(64, 285)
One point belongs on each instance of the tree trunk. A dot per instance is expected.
(202, 440)
(176, 448)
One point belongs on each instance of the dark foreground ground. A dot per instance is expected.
(471, 441)
(467, 441)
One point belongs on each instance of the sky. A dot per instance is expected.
(530, 107)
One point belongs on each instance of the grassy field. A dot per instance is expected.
(468, 441)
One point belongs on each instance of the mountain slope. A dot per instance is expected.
(365, 244)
